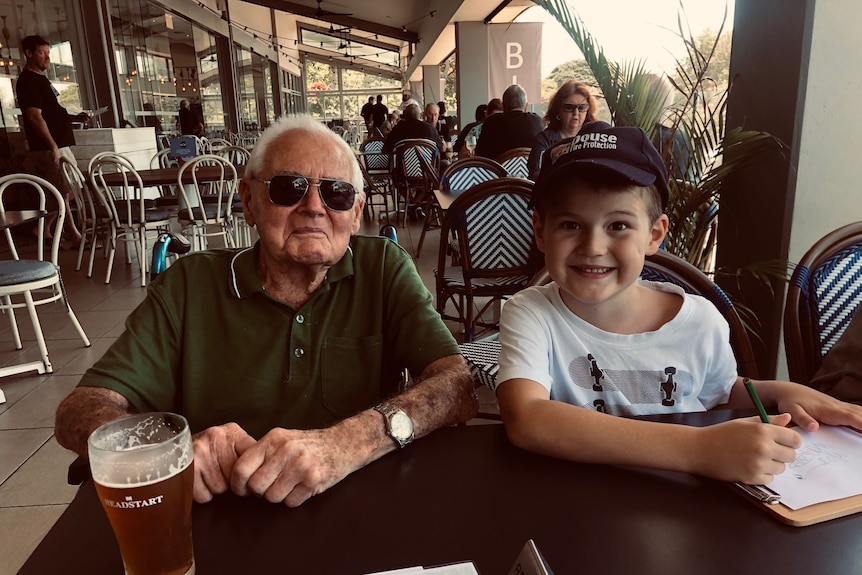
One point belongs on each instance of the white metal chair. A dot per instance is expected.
(36, 280)
(207, 203)
(131, 220)
(93, 219)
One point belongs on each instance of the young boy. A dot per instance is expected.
(597, 342)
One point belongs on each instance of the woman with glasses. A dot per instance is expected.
(571, 107)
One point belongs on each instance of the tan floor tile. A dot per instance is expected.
(23, 528)
(17, 445)
(41, 480)
(16, 387)
(37, 408)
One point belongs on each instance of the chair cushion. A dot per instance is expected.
(14, 272)
(454, 277)
(211, 210)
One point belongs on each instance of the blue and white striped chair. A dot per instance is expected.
(515, 162)
(497, 254)
(458, 176)
(410, 181)
(825, 291)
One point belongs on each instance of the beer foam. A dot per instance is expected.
(134, 482)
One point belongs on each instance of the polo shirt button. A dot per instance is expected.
(300, 318)
(299, 352)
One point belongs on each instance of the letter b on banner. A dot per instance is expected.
(513, 55)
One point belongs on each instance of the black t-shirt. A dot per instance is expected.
(35, 91)
(379, 113)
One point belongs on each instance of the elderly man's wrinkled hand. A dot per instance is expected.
(293, 465)
(216, 452)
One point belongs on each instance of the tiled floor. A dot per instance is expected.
(33, 488)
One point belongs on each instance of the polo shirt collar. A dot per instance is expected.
(244, 282)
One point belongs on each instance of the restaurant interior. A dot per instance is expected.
(243, 64)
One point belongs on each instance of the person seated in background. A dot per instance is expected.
(444, 123)
(840, 375)
(389, 123)
(570, 107)
(597, 342)
(495, 106)
(411, 127)
(432, 117)
(286, 358)
(514, 128)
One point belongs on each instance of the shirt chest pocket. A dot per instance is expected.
(351, 370)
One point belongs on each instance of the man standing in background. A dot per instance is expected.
(47, 125)
(367, 113)
(379, 113)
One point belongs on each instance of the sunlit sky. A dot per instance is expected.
(629, 29)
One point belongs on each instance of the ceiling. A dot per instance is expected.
(427, 26)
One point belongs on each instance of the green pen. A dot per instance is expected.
(749, 387)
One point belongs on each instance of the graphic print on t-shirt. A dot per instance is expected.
(622, 390)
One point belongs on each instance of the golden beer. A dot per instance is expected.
(143, 468)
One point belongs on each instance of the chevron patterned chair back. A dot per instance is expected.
(372, 154)
(493, 224)
(466, 173)
(515, 162)
(825, 291)
(410, 181)
(666, 267)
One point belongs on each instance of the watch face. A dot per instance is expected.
(402, 425)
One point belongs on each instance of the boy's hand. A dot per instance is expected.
(808, 406)
(747, 450)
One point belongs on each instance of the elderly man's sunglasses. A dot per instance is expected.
(288, 190)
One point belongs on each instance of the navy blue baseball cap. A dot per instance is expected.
(625, 151)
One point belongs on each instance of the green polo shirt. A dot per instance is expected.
(210, 343)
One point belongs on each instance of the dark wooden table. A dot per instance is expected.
(13, 218)
(466, 493)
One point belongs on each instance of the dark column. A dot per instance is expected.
(768, 67)
(100, 70)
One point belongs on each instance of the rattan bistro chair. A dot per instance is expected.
(666, 267)
(493, 224)
(825, 291)
(515, 162)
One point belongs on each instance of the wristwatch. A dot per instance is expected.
(399, 426)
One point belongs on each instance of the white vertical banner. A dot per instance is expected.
(515, 57)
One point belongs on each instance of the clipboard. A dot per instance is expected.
(817, 513)
(770, 501)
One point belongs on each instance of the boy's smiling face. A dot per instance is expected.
(595, 242)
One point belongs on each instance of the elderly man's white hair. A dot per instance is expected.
(301, 123)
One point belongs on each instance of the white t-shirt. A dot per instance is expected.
(686, 365)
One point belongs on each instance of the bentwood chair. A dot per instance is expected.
(515, 162)
(497, 254)
(825, 291)
(35, 280)
(92, 219)
(131, 219)
(207, 204)
(666, 267)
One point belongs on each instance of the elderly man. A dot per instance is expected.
(514, 128)
(412, 127)
(285, 357)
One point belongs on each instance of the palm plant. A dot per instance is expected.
(708, 150)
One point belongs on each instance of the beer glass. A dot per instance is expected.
(143, 468)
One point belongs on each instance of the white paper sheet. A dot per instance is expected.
(828, 466)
